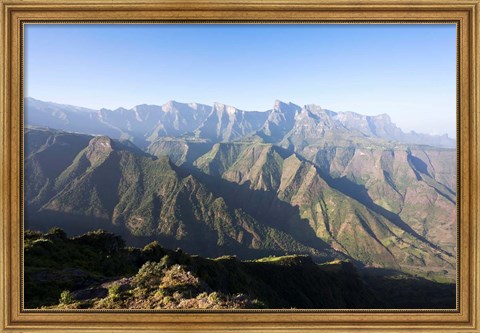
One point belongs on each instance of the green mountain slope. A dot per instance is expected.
(47, 154)
(245, 198)
(333, 211)
(179, 150)
(109, 184)
(417, 184)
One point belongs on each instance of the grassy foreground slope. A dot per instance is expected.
(96, 270)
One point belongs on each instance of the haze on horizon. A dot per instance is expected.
(407, 71)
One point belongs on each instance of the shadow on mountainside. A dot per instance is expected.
(399, 290)
(264, 206)
(421, 170)
(360, 194)
(87, 266)
(98, 265)
(77, 224)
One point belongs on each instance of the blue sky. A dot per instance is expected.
(406, 71)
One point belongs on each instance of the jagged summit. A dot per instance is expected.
(144, 124)
(220, 107)
(384, 117)
(101, 143)
(313, 108)
(282, 106)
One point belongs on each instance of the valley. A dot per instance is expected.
(217, 181)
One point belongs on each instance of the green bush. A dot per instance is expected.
(101, 240)
(214, 297)
(56, 233)
(150, 275)
(153, 252)
(66, 298)
(114, 290)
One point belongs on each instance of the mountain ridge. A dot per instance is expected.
(97, 186)
(172, 118)
(289, 182)
(258, 197)
(302, 180)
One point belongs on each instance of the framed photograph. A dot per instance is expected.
(239, 166)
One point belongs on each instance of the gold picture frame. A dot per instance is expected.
(465, 14)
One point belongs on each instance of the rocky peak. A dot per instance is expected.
(220, 107)
(99, 148)
(385, 118)
(284, 107)
(313, 116)
(146, 108)
(314, 108)
(120, 109)
(170, 105)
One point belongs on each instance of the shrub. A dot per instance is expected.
(153, 251)
(214, 297)
(66, 298)
(114, 291)
(56, 233)
(101, 240)
(32, 234)
(178, 278)
(202, 295)
(150, 275)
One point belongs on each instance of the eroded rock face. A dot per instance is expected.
(98, 148)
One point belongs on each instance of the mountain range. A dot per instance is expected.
(216, 180)
(144, 124)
